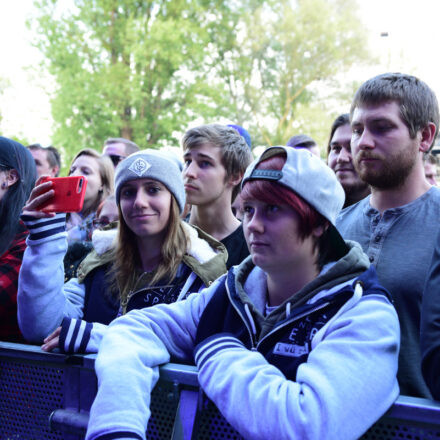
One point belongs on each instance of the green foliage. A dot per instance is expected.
(145, 69)
(284, 53)
(128, 68)
(4, 84)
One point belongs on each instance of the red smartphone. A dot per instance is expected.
(69, 194)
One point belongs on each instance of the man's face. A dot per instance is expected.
(204, 175)
(340, 160)
(42, 164)
(431, 173)
(383, 152)
(116, 152)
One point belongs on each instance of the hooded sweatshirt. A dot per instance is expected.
(322, 365)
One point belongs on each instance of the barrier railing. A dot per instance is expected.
(48, 396)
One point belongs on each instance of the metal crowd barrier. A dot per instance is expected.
(48, 396)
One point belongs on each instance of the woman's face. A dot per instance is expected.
(88, 167)
(145, 206)
(273, 238)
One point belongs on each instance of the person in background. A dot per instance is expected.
(154, 257)
(118, 149)
(216, 157)
(340, 160)
(107, 213)
(430, 164)
(99, 172)
(242, 132)
(236, 203)
(297, 331)
(107, 216)
(394, 121)
(47, 160)
(17, 178)
(304, 141)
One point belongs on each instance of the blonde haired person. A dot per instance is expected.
(99, 172)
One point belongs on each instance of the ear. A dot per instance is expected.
(55, 170)
(235, 180)
(319, 231)
(427, 137)
(12, 177)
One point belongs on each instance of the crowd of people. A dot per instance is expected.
(303, 289)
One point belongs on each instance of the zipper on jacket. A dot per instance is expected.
(302, 315)
(251, 335)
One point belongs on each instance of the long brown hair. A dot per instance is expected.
(126, 255)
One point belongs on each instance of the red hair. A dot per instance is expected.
(276, 194)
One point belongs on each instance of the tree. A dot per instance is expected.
(4, 84)
(281, 72)
(145, 69)
(129, 68)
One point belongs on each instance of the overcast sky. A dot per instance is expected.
(411, 46)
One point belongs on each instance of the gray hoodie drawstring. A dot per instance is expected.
(248, 314)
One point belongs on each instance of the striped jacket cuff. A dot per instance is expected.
(44, 227)
(212, 345)
(75, 335)
(120, 435)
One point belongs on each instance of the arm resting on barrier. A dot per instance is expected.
(126, 365)
(347, 383)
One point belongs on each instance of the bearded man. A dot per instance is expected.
(394, 120)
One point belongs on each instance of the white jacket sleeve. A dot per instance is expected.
(347, 383)
(43, 299)
(126, 365)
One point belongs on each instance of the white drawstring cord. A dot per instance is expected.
(248, 313)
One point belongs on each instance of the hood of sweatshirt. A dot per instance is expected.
(250, 283)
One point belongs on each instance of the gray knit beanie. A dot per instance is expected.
(151, 164)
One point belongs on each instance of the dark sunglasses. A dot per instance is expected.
(115, 158)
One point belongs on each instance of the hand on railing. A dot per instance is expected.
(52, 341)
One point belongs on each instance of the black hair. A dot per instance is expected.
(15, 156)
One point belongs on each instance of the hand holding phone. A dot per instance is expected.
(68, 195)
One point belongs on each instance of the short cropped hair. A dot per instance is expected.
(418, 103)
(53, 157)
(130, 146)
(235, 153)
(340, 121)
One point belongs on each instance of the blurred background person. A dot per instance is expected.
(430, 163)
(304, 141)
(47, 160)
(99, 172)
(340, 160)
(118, 149)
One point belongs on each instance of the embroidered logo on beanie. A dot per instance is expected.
(139, 166)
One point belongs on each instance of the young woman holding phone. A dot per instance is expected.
(154, 257)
